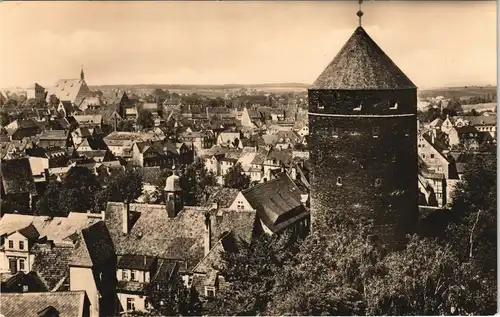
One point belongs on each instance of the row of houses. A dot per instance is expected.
(104, 263)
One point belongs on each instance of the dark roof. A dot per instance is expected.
(135, 262)
(224, 196)
(15, 283)
(276, 202)
(361, 64)
(52, 265)
(17, 177)
(94, 246)
(242, 224)
(30, 232)
(68, 304)
(154, 233)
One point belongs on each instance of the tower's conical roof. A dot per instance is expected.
(362, 65)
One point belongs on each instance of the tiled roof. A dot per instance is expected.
(276, 201)
(66, 89)
(52, 265)
(17, 177)
(29, 232)
(481, 120)
(55, 229)
(261, 156)
(94, 246)
(88, 119)
(54, 135)
(241, 223)
(361, 64)
(154, 233)
(68, 304)
(135, 262)
(224, 196)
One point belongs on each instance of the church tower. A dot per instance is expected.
(363, 126)
(82, 75)
(173, 195)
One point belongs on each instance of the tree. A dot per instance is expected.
(236, 178)
(193, 180)
(170, 297)
(125, 186)
(427, 279)
(48, 204)
(473, 230)
(4, 118)
(125, 126)
(78, 190)
(145, 119)
(53, 101)
(250, 272)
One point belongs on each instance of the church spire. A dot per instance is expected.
(82, 74)
(360, 12)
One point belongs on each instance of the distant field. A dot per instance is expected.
(457, 92)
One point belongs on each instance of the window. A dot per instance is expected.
(320, 106)
(21, 245)
(339, 181)
(21, 265)
(11, 244)
(432, 155)
(130, 304)
(240, 205)
(124, 275)
(423, 155)
(132, 275)
(376, 132)
(378, 182)
(209, 291)
(25, 288)
(336, 132)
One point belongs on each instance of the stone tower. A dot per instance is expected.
(363, 126)
(173, 195)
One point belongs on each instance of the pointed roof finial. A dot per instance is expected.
(360, 12)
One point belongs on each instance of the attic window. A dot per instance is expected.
(359, 107)
(336, 132)
(394, 106)
(339, 181)
(320, 106)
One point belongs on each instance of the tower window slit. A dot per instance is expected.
(339, 181)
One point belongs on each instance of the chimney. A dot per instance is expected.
(207, 234)
(46, 174)
(125, 217)
(433, 136)
(215, 205)
(293, 173)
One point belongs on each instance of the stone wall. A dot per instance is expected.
(366, 165)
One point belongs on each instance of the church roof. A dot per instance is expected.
(362, 65)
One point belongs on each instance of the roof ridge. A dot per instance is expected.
(45, 293)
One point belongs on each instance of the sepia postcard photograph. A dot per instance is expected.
(248, 158)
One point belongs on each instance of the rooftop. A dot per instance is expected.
(362, 65)
(68, 304)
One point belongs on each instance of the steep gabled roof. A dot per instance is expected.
(94, 246)
(362, 65)
(17, 177)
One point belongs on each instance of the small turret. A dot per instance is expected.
(173, 195)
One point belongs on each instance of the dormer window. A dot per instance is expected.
(339, 181)
(394, 106)
(376, 132)
(359, 107)
(378, 182)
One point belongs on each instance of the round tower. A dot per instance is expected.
(173, 195)
(363, 129)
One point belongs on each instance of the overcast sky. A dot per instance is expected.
(434, 43)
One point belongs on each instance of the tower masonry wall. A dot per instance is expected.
(365, 160)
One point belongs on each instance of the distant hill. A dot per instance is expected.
(205, 87)
(457, 92)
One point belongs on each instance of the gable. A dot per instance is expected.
(17, 237)
(240, 200)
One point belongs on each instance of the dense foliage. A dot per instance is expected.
(236, 178)
(338, 270)
(125, 186)
(145, 119)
